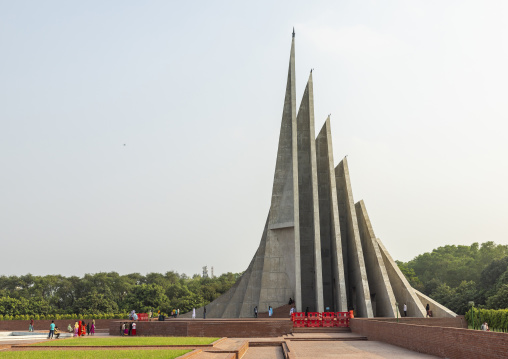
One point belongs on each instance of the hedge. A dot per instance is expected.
(497, 319)
(65, 316)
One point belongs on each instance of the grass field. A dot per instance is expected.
(93, 354)
(128, 341)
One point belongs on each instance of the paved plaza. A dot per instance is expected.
(299, 346)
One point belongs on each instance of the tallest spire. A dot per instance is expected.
(293, 31)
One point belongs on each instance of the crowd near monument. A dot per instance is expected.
(318, 246)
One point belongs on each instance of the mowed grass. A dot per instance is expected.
(93, 354)
(127, 341)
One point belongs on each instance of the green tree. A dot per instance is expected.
(500, 299)
(144, 297)
(410, 275)
(94, 303)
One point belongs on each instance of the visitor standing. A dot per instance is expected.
(427, 307)
(204, 312)
(405, 310)
(51, 330)
(193, 313)
(92, 329)
(256, 311)
(270, 311)
(88, 328)
(291, 311)
(31, 325)
(133, 332)
(76, 328)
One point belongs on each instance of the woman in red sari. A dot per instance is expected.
(83, 329)
(79, 328)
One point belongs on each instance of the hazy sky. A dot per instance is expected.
(141, 136)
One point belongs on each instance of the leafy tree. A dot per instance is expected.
(500, 299)
(410, 275)
(95, 303)
(144, 297)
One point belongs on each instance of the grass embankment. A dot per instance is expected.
(127, 341)
(93, 354)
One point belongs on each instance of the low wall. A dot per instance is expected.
(457, 322)
(443, 342)
(232, 328)
(22, 325)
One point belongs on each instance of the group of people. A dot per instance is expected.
(194, 313)
(175, 313)
(485, 327)
(162, 316)
(128, 329)
(270, 311)
(80, 329)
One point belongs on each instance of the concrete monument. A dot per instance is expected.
(318, 245)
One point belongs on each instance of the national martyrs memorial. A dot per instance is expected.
(318, 246)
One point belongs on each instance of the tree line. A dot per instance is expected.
(108, 293)
(452, 275)
(456, 275)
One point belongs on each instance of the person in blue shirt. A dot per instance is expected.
(51, 329)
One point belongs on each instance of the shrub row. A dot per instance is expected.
(65, 316)
(497, 319)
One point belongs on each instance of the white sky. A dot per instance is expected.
(417, 91)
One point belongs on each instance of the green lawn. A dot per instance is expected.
(93, 354)
(127, 341)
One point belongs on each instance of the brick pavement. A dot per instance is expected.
(314, 345)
